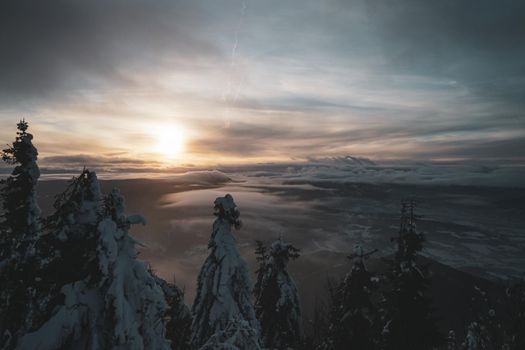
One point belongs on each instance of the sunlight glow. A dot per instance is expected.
(171, 141)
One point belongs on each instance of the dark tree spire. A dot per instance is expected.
(276, 296)
(19, 228)
(409, 320)
(353, 316)
(20, 210)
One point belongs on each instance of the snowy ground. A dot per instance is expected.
(479, 229)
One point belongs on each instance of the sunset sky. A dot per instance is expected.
(161, 83)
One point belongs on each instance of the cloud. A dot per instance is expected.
(50, 48)
(268, 80)
(335, 172)
(83, 159)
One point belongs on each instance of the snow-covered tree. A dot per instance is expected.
(276, 298)
(116, 302)
(239, 334)
(223, 310)
(70, 234)
(65, 246)
(408, 316)
(19, 228)
(354, 317)
(20, 210)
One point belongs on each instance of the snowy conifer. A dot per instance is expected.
(20, 210)
(19, 228)
(70, 234)
(354, 317)
(223, 313)
(239, 334)
(65, 246)
(408, 319)
(276, 298)
(116, 302)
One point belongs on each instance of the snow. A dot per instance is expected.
(223, 301)
(238, 335)
(120, 305)
(66, 323)
(31, 169)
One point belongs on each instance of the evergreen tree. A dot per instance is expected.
(316, 333)
(19, 219)
(239, 334)
(276, 298)
(353, 316)
(223, 313)
(115, 302)
(515, 303)
(66, 245)
(178, 326)
(261, 256)
(70, 234)
(408, 320)
(19, 228)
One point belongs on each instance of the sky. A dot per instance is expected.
(155, 84)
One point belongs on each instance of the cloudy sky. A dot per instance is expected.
(163, 83)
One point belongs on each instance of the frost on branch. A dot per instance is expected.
(238, 335)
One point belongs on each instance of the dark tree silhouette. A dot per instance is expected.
(515, 304)
(276, 298)
(486, 331)
(353, 317)
(19, 227)
(20, 210)
(409, 323)
(178, 326)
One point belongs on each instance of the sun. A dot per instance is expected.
(170, 141)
